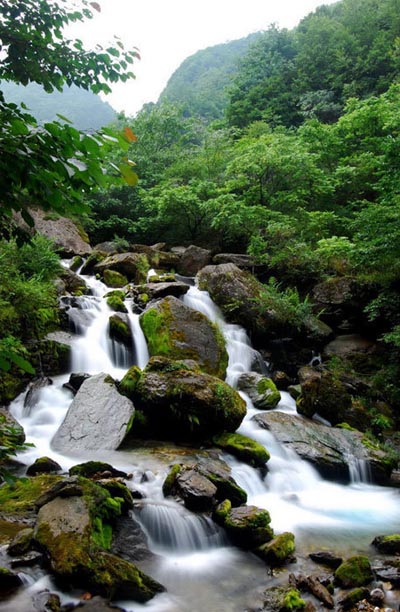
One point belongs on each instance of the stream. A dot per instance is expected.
(193, 558)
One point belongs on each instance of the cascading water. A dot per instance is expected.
(193, 559)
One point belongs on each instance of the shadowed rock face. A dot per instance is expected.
(98, 417)
(329, 449)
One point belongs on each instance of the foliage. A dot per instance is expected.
(53, 165)
(290, 309)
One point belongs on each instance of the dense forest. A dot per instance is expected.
(280, 150)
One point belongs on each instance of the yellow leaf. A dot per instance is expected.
(129, 135)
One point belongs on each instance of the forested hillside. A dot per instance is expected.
(201, 82)
(86, 110)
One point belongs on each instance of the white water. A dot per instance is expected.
(200, 570)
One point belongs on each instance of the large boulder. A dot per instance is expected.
(176, 331)
(324, 394)
(237, 293)
(68, 237)
(333, 451)
(193, 259)
(248, 526)
(134, 266)
(181, 403)
(158, 290)
(244, 448)
(75, 531)
(98, 418)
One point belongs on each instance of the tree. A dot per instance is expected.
(53, 165)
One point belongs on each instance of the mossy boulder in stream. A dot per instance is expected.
(244, 448)
(74, 528)
(261, 390)
(354, 572)
(112, 278)
(119, 329)
(180, 403)
(388, 544)
(279, 550)
(176, 331)
(248, 526)
(134, 266)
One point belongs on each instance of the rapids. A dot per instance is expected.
(193, 558)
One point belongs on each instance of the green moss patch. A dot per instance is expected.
(243, 448)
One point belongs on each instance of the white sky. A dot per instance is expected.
(166, 32)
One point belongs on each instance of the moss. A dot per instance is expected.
(116, 293)
(143, 267)
(249, 526)
(354, 572)
(116, 303)
(11, 385)
(268, 389)
(221, 512)
(94, 258)
(243, 448)
(76, 263)
(279, 551)
(128, 384)
(120, 330)
(227, 488)
(346, 426)
(101, 533)
(292, 601)
(91, 468)
(112, 278)
(170, 479)
(156, 328)
(224, 357)
(19, 497)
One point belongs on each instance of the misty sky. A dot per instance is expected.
(168, 31)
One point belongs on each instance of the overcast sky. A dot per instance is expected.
(168, 31)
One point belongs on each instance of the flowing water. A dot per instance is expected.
(193, 558)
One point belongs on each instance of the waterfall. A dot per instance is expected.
(193, 559)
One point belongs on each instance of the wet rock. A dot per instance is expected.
(176, 331)
(241, 260)
(248, 526)
(94, 469)
(388, 572)
(323, 394)
(44, 601)
(115, 279)
(53, 353)
(387, 544)
(181, 404)
(87, 425)
(94, 604)
(354, 596)
(326, 558)
(130, 542)
(261, 390)
(156, 291)
(21, 543)
(33, 393)
(193, 259)
(278, 551)
(75, 381)
(134, 266)
(377, 597)
(29, 559)
(9, 581)
(320, 592)
(244, 448)
(354, 572)
(329, 449)
(219, 473)
(17, 434)
(73, 283)
(197, 491)
(43, 465)
(73, 531)
(119, 329)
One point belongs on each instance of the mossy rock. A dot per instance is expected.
(76, 263)
(11, 385)
(354, 572)
(323, 393)
(388, 544)
(292, 600)
(244, 448)
(248, 526)
(181, 404)
(169, 482)
(17, 499)
(221, 512)
(94, 258)
(119, 329)
(261, 390)
(21, 543)
(279, 550)
(354, 596)
(219, 473)
(112, 278)
(43, 465)
(95, 468)
(175, 331)
(116, 303)
(134, 266)
(9, 581)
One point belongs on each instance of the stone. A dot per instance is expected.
(248, 526)
(119, 329)
(112, 278)
(354, 572)
(134, 266)
(387, 544)
(9, 581)
(219, 473)
(176, 331)
(278, 551)
(327, 448)
(261, 390)
(241, 260)
(326, 558)
(179, 403)
(197, 491)
(43, 465)
(21, 543)
(323, 394)
(87, 424)
(75, 381)
(158, 290)
(193, 259)
(73, 284)
(243, 448)
(94, 469)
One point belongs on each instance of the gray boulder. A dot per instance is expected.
(193, 259)
(261, 390)
(332, 451)
(132, 265)
(98, 418)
